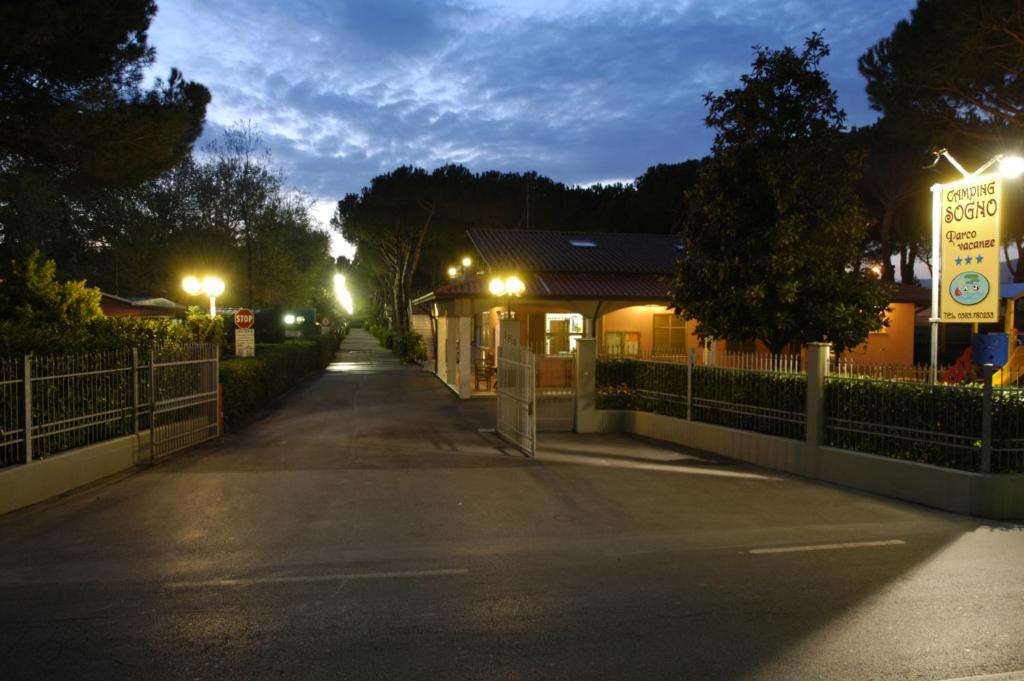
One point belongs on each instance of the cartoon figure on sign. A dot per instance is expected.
(969, 288)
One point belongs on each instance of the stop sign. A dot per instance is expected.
(244, 318)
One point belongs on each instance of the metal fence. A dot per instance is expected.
(769, 400)
(51, 404)
(955, 426)
(884, 409)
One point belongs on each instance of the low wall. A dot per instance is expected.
(25, 485)
(998, 497)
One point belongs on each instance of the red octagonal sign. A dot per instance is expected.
(244, 318)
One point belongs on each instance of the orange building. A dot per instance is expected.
(608, 286)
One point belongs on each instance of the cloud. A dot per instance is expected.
(345, 91)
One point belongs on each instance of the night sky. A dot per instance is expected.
(580, 91)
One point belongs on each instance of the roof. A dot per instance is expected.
(908, 293)
(534, 250)
(566, 285)
(136, 306)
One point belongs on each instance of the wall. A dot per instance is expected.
(29, 484)
(641, 318)
(895, 345)
(1000, 497)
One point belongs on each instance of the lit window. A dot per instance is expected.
(582, 244)
(622, 343)
(561, 331)
(669, 335)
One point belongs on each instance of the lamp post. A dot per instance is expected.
(1009, 167)
(210, 286)
(510, 287)
(457, 272)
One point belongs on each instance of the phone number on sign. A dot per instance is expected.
(969, 315)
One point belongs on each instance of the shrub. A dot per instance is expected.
(251, 383)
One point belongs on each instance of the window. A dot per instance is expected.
(580, 243)
(669, 335)
(622, 343)
(561, 331)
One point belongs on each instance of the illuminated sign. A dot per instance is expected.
(969, 236)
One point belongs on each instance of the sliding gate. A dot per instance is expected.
(517, 397)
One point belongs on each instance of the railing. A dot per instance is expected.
(888, 410)
(742, 395)
(51, 404)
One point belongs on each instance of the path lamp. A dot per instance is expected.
(457, 272)
(210, 286)
(1009, 167)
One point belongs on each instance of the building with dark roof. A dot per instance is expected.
(609, 286)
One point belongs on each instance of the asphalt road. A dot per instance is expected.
(367, 529)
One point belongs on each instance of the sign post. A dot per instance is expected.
(965, 249)
(245, 334)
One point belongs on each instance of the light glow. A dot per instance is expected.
(289, 319)
(467, 261)
(452, 272)
(191, 286)
(1011, 166)
(341, 292)
(496, 287)
(514, 286)
(213, 286)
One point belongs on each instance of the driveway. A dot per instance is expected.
(372, 528)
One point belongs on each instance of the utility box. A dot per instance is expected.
(990, 348)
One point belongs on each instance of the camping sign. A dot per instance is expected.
(969, 237)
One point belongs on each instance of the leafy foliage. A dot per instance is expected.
(41, 315)
(774, 234)
(75, 119)
(409, 224)
(924, 423)
(764, 402)
(251, 383)
(954, 67)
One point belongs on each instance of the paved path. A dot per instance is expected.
(367, 529)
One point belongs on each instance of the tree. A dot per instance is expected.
(75, 118)
(773, 232)
(954, 67)
(894, 190)
(392, 217)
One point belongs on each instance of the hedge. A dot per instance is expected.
(761, 401)
(251, 383)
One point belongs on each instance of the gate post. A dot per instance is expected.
(152, 405)
(586, 381)
(26, 394)
(817, 369)
(135, 392)
(691, 358)
(465, 357)
(986, 420)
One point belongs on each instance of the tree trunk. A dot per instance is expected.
(908, 258)
(888, 271)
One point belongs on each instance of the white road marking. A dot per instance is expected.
(1006, 676)
(828, 547)
(306, 579)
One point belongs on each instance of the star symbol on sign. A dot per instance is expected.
(977, 258)
(968, 260)
(959, 260)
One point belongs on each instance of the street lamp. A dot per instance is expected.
(455, 272)
(1009, 167)
(510, 287)
(211, 286)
